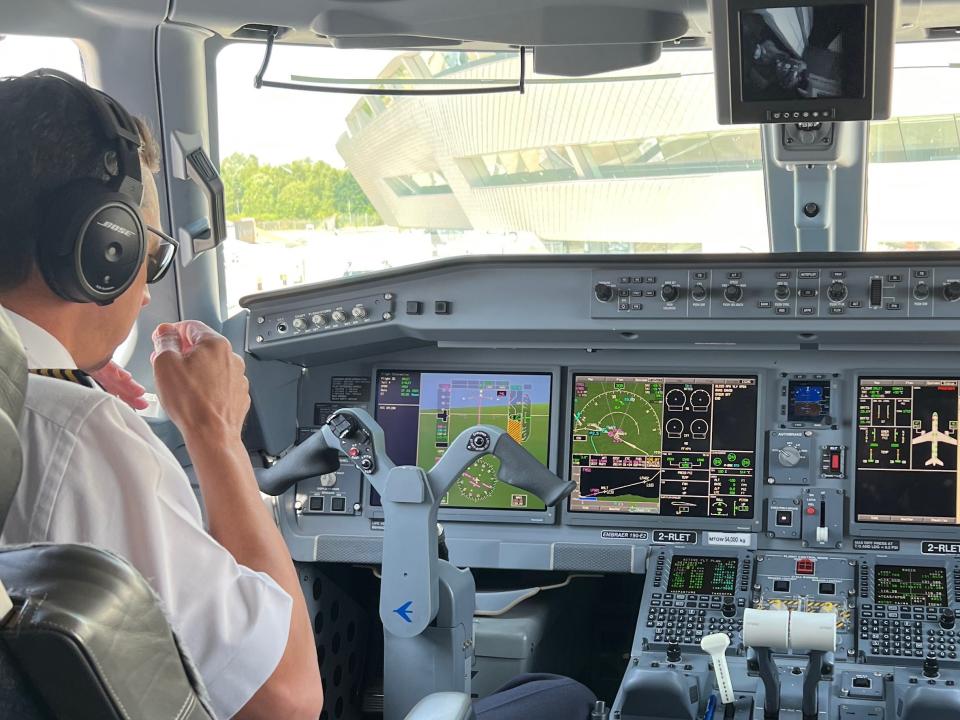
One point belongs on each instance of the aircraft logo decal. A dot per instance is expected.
(404, 611)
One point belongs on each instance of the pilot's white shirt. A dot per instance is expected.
(95, 473)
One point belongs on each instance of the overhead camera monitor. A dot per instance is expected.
(807, 61)
(907, 451)
(423, 412)
(664, 445)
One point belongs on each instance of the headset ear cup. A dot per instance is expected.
(93, 243)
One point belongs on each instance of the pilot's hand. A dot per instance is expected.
(200, 381)
(117, 381)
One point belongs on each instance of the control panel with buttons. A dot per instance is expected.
(777, 292)
(695, 593)
(314, 318)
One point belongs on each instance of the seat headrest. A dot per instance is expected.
(13, 386)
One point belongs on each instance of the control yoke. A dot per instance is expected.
(409, 593)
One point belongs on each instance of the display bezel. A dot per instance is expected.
(743, 111)
(630, 520)
(539, 517)
(889, 529)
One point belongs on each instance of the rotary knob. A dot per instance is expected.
(951, 291)
(781, 292)
(729, 608)
(669, 293)
(733, 293)
(603, 292)
(359, 312)
(299, 324)
(328, 480)
(789, 456)
(948, 618)
(698, 292)
(921, 291)
(339, 316)
(837, 292)
(318, 320)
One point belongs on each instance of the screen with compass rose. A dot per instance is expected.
(423, 412)
(664, 445)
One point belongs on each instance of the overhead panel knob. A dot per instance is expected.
(339, 316)
(837, 292)
(733, 293)
(951, 291)
(603, 292)
(299, 324)
(318, 320)
(359, 312)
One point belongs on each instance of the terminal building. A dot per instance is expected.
(565, 160)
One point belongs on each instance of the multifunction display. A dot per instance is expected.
(907, 451)
(423, 412)
(673, 446)
(900, 585)
(703, 575)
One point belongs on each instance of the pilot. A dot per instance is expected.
(94, 472)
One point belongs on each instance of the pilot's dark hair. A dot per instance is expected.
(49, 136)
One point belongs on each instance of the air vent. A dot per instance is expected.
(257, 31)
(943, 33)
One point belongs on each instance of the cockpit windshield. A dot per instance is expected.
(322, 185)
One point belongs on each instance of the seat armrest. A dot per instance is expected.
(443, 706)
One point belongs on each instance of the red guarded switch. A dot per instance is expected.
(805, 566)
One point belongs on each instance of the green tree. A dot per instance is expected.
(303, 189)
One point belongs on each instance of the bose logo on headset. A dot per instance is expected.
(116, 228)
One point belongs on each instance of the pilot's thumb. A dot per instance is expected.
(166, 338)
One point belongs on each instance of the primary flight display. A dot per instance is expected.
(664, 445)
(423, 412)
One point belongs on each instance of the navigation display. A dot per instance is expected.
(423, 412)
(899, 585)
(703, 575)
(799, 52)
(907, 451)
(673, 446)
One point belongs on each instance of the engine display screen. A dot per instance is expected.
(901, 585)
(703, 575)
(421, 413)
(670, 446)
(907, 451)
(808, 401)
(803, 52)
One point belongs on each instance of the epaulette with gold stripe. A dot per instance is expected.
(75, 376)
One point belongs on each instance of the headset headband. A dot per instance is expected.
(117, 126)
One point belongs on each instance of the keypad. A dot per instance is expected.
(905, 631)
(685, 619)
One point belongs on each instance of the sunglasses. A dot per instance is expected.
(160, 259)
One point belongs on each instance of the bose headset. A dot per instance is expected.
(94, 236)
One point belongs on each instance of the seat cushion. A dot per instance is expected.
(91, 637)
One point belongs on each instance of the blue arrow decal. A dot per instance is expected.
(404, 611)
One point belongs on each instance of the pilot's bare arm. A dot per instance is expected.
(203, 388)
